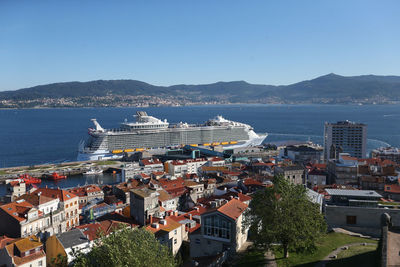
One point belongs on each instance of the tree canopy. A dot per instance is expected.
(285, 215)
(127, 247)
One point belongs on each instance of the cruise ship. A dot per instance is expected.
(150, 133)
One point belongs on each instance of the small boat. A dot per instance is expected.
(55, 176)
(93, 171)
(27, 179)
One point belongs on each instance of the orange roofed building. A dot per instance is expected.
(221, 230)
(168, 232)
(68, 201)
(87, 193)
(27, 251)
(20, 219)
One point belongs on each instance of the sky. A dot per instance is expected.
(195, 42)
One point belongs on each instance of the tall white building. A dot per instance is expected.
(345, 137)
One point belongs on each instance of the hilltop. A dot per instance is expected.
(331, 88)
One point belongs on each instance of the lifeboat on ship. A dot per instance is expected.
(27, 179)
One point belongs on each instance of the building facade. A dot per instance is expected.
(221, 230)
(345, 137)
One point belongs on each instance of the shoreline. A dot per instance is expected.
(201, 105)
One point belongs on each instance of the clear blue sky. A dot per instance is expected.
(172, 42)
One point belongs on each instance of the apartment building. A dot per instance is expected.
(68, 201)
(345, 137)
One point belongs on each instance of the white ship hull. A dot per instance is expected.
(107, 155)
(158, 135)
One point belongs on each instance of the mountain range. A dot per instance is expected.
(331, 88)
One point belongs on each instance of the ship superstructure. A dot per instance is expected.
(148, 132)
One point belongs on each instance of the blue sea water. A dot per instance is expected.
(35, 136)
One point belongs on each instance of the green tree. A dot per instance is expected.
(283, 214)
(59, 261)
(127, 247)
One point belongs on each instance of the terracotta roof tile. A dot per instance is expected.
(61, 194)
(170, 226)
(151, 161)
(233, 208)
(164, 196)
(4, 240)
(392, 188)
(17, 210)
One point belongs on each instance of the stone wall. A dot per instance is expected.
(368, 220)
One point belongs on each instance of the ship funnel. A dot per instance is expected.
(98, 127)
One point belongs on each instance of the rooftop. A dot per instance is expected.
(72, 238)
(233, 209)
(168, 227)
(35, 199)
(352, 193)
(61, 194)
(143, 192)
(84, 190)
(17, 210)
(24, 245)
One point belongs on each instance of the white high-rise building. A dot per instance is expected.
(345, 137)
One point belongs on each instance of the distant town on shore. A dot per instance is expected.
(327, 89)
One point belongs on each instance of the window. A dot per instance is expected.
(175, 232)
(40, 263)
(175, 241)
(217, 226)
(351, 219)
(197, 241)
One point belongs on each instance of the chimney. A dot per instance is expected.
(151, 218)
(176, 213)
(190, 216)
(163, 222)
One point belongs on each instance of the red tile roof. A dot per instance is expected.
(216, 159)
(35, 199)
(61, 194)
(151, 161)
(4, 240)
(170, 226)
(269, 164)
(14, 183)
(251, 181)
(17, 210)
(171, 184)
(233, 209)
(84, 190)
(392, 188)
(178, 162)
(344, 157)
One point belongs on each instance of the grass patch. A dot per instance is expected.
(3, 172)
(252, 257)
(325, 245)
(107, 162)
(366, 256)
